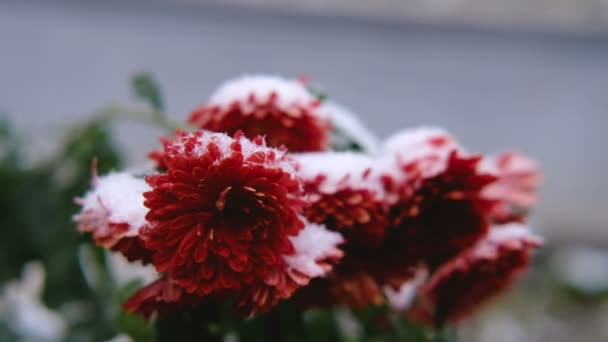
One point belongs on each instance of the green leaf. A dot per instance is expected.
(136, 327)
(146, 89)
(36, 207)
(341, 142)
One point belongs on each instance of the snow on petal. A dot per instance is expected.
(113, 209)
(314, 245)
(332, 171)
(427, 149)
(282, 110)
(419, 141)
(240, 89)
(402, 298)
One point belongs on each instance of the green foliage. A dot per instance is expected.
(37, 203)
(132, 325)
(146, 89)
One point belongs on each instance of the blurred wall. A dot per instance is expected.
(543, 94)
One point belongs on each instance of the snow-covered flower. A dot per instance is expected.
(224, 218)
(438, 208)
(114, 213)
(425, 148)
(345, 194)
(22, 309)
(476, 275)
(283, 110)
(418, 203)
(436, 217)
(516, 188)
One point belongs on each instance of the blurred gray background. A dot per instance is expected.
(528, 75)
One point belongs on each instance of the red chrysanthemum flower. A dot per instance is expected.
(463, 284)
(437, 217)
(223, 212)
(515, 190)
(225, 218)
(345, 195)
(282, 110)
(114, 213)
(424, 205)
(439, 210)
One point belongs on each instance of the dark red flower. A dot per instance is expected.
(438, 216)
(478, 274)
(281, 110)
(113, 212)
(421, 204)
(225, 218)
(347, 196)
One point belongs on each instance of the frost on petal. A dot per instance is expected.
(423, 150)
(315, 247)
(282, 110)
(464, 283)
(403, 297)
(328, 172)
(516, 188)
(349, 123)
(114, 213)
(417, 142)
(288, 92)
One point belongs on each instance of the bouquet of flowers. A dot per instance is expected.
(275, 215)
